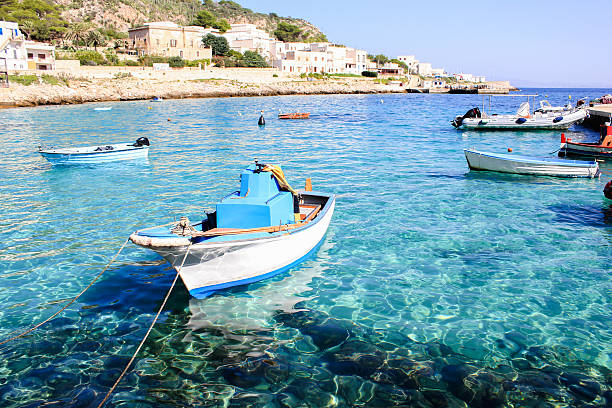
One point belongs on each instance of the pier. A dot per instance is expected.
(598, 115)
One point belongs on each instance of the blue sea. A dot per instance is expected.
(434, 287)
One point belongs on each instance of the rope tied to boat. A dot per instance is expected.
(31, 329)
(183, 227)
(148, 331)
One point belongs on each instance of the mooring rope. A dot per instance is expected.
(148, 331)
(31, 329)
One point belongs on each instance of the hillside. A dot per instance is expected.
(123, 14)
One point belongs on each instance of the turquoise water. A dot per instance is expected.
(435, 286)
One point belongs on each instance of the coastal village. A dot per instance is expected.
(326, 67)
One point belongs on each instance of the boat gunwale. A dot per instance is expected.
(67, 151)
(595, 144)
(200, 242)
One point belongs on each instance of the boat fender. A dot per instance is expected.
(558, 119)
(608, 190)
(563, 140)
(520, 121)
(141, 141)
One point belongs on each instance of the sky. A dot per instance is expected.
(537, 43)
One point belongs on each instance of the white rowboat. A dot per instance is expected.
(97, 154)
(517, 164)
(255, 233)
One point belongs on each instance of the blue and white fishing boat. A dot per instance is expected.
(97, 154)
(518, 164)
(261, 230)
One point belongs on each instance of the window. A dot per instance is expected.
(191, 43)
(30, 55)
(173, 43)
(181, 54)
(197, 53)
(41, 56)
(157, 41)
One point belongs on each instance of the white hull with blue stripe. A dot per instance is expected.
(221, 256)
(555, 120)
(517, 164)
(97, 154)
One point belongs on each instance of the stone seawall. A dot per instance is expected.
(124, 89)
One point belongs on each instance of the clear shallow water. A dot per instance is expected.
(435, 286)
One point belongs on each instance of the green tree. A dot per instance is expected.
(41, 19)
(176, 62)
(95, 38)
(253, 59)
(287, 32)
(77, 33)
(381, 59)
(222, 25)
(219, 45)
(401, 64)
(204, 19)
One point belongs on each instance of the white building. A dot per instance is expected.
(318, 58)
(424, 68)
(464, 77)
(303, 62)
(247, 37)
(391, 68)
(411, 61)
(41, 56)
(12, 47)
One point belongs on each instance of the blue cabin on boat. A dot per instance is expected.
(259, 203)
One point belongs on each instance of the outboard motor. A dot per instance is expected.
(472, 113)
(141, 141)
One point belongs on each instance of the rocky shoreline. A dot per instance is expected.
(126, 89)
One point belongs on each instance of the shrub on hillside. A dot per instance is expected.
(176, 62)
(89, 57)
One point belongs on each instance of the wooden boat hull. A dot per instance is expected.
(585, 150)
(294, 115)
(538, 122)
(516, 164)
(212, 266)
(88, 155)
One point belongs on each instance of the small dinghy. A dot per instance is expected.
(103, 108)
(97, 154)
(261, 230)
(157, 99)
(517, 164)
(294, 115)
(601, 149)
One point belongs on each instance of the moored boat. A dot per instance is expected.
(259, 231)
(97, 154)
(545, 118)
(294, 115)
(518, 164)
(602, 148)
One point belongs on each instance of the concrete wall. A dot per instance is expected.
(248, 75)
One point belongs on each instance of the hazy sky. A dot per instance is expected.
(530, 43)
